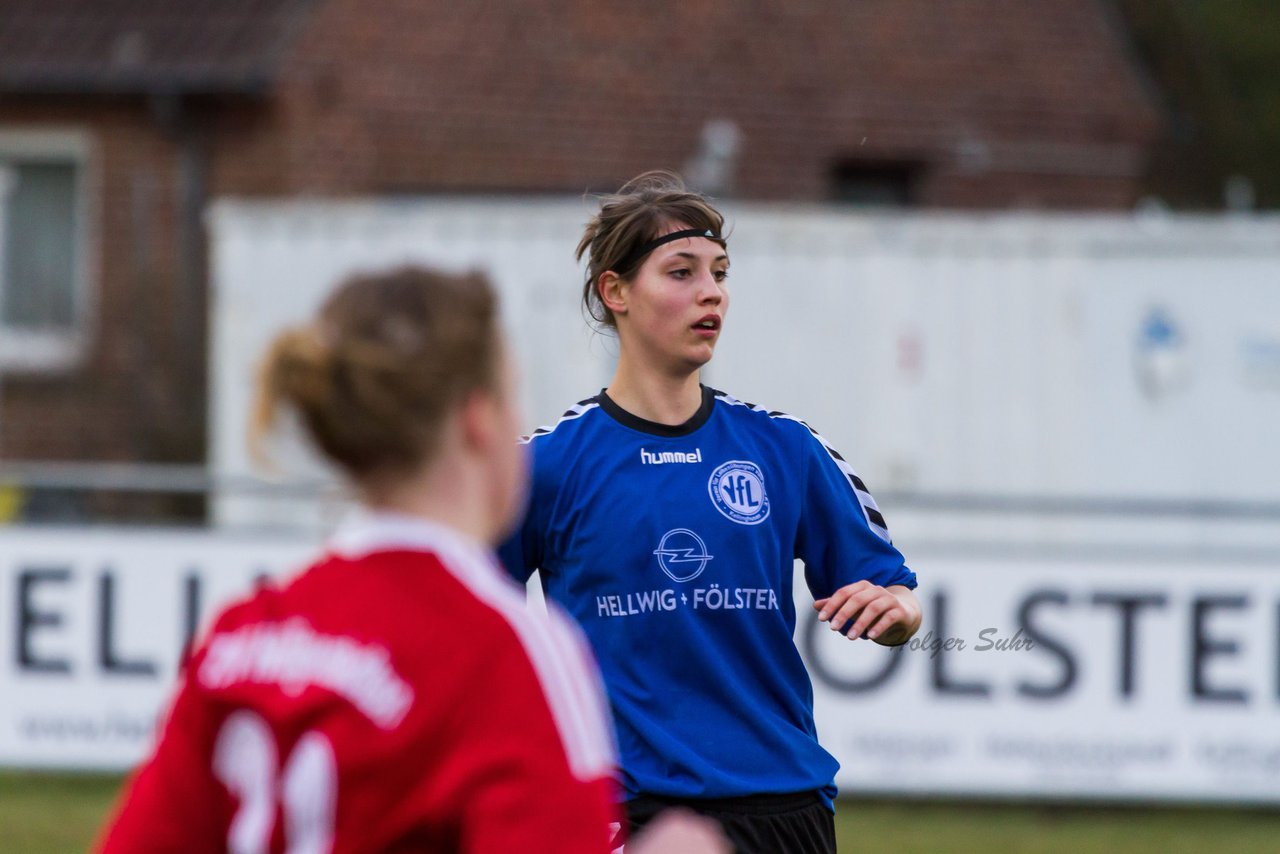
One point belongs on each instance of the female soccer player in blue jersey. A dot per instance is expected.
(667, 516)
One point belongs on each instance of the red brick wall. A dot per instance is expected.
(125, 401)
(417, 96)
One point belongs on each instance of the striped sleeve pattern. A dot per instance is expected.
(579, 409)
(870, 510)
(561, 660)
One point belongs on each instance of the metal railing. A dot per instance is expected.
(152, 478)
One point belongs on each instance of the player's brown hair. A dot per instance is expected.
(377, 371)
(642, 209)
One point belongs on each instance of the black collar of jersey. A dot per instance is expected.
(635, 422)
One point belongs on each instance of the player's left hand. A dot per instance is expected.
(887, 615)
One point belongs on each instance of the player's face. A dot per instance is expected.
(676, 304)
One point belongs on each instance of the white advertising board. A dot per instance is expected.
(92, 627)
(1059, 677)
(1033, 676)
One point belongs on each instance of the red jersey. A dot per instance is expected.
(397, 696)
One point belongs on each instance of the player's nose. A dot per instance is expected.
(709, 290)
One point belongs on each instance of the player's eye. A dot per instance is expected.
(721, 275)
(681, 273)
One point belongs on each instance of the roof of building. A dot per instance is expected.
(144, 46)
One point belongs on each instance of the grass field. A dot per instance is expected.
(48, 813)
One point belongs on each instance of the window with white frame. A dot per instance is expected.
(43, 251)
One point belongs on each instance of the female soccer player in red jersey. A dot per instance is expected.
(397, 695)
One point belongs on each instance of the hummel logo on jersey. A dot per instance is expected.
(661, 457)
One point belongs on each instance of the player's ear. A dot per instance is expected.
(480, 422)
(613, 292)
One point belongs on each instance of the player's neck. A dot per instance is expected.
(448, 494)
(662, 398)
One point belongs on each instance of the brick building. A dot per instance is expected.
(120, 119)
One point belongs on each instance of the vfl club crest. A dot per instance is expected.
(682, 554)
(737, 490)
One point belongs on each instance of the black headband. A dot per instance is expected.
(634, 258)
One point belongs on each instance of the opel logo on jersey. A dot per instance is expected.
(682, 554)
(737, 490)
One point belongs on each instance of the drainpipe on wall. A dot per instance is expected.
(6, 186)
(175, 117)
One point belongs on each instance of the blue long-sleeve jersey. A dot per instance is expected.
(674, 547)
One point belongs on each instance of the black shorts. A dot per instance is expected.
(797, 823)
